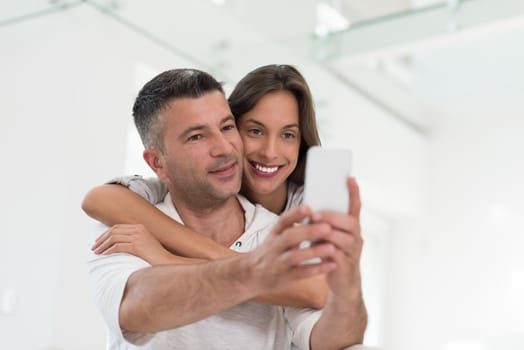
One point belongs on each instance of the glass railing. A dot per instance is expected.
(16, 11)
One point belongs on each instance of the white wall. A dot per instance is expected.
(68, 83)
(457, 272)
(67, 90)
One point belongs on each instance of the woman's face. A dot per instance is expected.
(271, 136)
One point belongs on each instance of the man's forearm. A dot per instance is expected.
(170, 296)
(311, 292)
(342, 324)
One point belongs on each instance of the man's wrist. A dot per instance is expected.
(242, 272)
(345, 303)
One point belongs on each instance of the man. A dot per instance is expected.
(193, 145)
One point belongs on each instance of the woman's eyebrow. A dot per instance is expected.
(254, 121)
(290, 126)
(259, 123)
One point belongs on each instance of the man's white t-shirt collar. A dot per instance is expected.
(258, 221)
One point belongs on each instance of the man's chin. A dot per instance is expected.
(224, 192)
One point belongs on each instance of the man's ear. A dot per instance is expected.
(155, 160)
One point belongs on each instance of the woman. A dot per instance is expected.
(275, 117)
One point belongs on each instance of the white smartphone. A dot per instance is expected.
(325, 188)
(327, 170)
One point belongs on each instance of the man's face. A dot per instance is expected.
(203, 150)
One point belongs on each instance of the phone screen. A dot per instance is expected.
(327, 171)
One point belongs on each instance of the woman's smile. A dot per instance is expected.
(264, 170)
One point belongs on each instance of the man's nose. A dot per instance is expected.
(221, 145)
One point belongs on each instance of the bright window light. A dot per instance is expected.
(329, 20)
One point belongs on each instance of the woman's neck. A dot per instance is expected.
(274, 202)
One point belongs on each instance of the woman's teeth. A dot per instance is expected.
(264, 169)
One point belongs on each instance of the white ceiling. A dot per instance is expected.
(405, 55)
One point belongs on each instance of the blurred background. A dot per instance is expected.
(428, 94)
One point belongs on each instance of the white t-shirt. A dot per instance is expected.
(245, 326)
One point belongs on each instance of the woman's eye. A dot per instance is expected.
(254, 132)
(289, 135)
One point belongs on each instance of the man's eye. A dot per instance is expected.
(229, 127)
(195, 137)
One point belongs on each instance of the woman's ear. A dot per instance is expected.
(155, 160)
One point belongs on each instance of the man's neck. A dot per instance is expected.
(223, 221)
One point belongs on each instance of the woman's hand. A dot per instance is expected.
(137, 240)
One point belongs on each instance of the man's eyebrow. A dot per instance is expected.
(193, 129)
(227, 118)
(203, 126)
